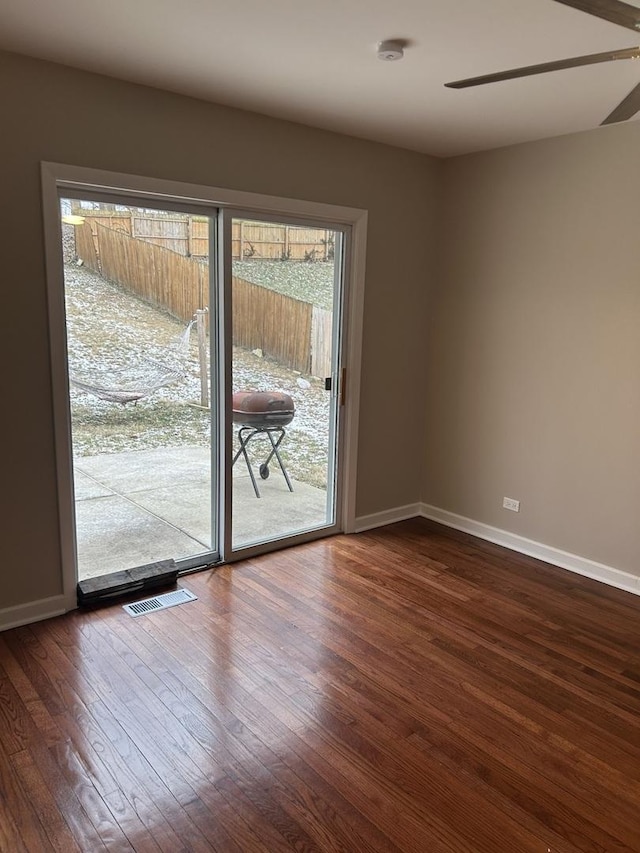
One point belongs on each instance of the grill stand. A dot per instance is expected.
(245, 434)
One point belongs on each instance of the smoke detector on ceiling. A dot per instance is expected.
(390, 50)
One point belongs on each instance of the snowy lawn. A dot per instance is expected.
(310, 282)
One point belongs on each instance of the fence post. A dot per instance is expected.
(95, 236)
(201, 326)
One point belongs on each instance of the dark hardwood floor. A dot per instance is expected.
(407, 689)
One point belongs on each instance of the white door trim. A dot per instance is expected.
(55, 176)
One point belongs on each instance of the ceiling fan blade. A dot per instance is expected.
(527, 71)
(627, 108)
(609, 10)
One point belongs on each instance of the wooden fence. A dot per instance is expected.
(189, 235)
(259, 240)
(295, 333)
(277, 324)
(160, 276)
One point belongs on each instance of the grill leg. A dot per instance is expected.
(243, 450)
(274, 452)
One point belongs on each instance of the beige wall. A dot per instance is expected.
(533, 366)
(57, 114)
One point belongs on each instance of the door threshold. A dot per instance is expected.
(106, 588)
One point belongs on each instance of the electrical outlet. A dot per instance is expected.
(511, 503)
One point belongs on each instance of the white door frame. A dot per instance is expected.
(56, 177)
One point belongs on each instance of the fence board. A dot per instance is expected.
(321, 341)
(198, 237)
(85, 246)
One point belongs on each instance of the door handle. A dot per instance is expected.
(328, 385)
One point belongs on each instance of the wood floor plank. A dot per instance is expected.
(9, 833)
(21, 828)
(406, 690)
(57, 831)
(13, 718)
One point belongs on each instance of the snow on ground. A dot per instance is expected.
(310, 282)
(116, 339)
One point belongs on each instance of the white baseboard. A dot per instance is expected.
(546, 553)
(23, 614)
(379, 519)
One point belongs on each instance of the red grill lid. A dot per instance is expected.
(262, 401)
(262, 408)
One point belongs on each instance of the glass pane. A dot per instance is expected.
(285, 289)
(136, 298)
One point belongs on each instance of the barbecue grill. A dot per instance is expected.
(262, 413)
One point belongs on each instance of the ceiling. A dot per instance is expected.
(315, 62)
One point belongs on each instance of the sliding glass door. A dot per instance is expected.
(137, 285)
(203, 380)
(285, 295)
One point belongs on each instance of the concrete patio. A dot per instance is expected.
(141, 506)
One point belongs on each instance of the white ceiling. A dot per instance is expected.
(315, 62)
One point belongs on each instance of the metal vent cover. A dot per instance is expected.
(159, 602)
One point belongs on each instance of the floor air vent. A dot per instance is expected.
(159, 602)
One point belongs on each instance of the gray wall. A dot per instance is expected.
(61, 115)
(533, 365)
